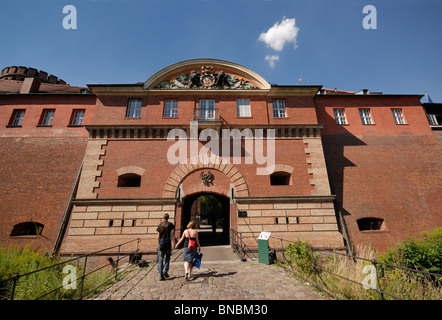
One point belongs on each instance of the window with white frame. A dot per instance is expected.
(279, 109)
(207, 109)
(134, 108)
(171, 108)
(17, 117)
(340, 116)
(398, 116)
(47, 117)
(243, 108)
(78, 117)
(365, 116)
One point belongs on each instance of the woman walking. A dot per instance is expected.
(190, 248)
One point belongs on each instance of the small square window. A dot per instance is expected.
(78, 117)
(398, 116)
(17, 117)
(365, 116)
(340, 116)
(279, 109)
(243, 108)
(432, 119)
(134, 108)
(171, 108)
(47, 117)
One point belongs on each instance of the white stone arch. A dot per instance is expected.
(228, 66)
(183, 170)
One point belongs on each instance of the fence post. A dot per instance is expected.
(313, 264)
(83, 276)
(15, 278)
(379, 290)
(118, 259)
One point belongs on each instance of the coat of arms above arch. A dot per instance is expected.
(206, 78)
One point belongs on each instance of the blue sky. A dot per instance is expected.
(126, 41)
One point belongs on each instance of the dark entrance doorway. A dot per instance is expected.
(211, 212)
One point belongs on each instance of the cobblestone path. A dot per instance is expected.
(215, 280)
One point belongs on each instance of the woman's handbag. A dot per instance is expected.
(192, 243)
(197, 261)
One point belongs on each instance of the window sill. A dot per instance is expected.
(11, 126)
(31, 236)
(75, 125)
(238, 117)
(132, 118)
(44, 126)
(164, 117)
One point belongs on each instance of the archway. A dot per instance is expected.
(211, 212)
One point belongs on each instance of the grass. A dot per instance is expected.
(395, 281)
(21, 260)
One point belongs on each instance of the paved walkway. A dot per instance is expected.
(229, 279)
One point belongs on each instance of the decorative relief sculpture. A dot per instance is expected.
(207, 178)
(205, 79)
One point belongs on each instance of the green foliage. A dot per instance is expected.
(300, 256)
(211, 208)
(421, 254)
(424, 254)
(21, 260)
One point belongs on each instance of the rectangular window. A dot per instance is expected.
(207, 109)
(398, 116)
(78, 117)
(432, 119)
(243, 108)
(279, 109)
(365, 116)
(171, 108)
(340, 116)
(47, 117)
(17, 117)
(134, 108)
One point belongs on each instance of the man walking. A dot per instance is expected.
(166, 234)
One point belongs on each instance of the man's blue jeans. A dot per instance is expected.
(163, 261)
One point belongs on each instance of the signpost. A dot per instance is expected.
(263, 247)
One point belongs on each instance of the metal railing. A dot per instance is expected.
(15, 279)
(374, 273)
(206, 114)
(239, 246)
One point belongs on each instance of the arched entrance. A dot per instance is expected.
(211, 212)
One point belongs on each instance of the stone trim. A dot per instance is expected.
(317, 168)
(90, 171)
(213, 162)
(130, 169)
(140, 132)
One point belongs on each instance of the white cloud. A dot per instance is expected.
(272, 60)
(281, 33)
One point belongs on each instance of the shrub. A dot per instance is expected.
(300, 256)
(421, 254)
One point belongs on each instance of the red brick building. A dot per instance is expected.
(87, 168)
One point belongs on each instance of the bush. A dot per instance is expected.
(300, 256)
(421, 254)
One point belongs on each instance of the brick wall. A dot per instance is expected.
(37, 178)
(395, 178)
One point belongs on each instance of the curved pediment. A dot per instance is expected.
(204, 74)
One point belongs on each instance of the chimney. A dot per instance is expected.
(30, 85)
